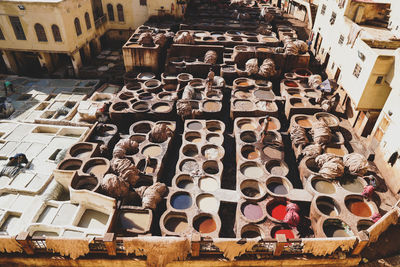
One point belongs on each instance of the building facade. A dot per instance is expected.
(352, 40)
(37, 36)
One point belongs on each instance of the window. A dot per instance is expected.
(357, 70)
(333, 65)
(40, 33)
(17, 27)
(120, 12)
(333, 18)
(323, 9)
(383, 125)
(341, 39)
(87, 20)
(56, 33)
(379, 80)
(77, 27)
(110, 12)
(1, 35)
(143, 2)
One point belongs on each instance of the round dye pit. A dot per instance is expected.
(277, 188)
(207, 202)
(81, 150)
(251, 170)
(303, 121)
(176, 223)
(215, 139)
(205, 224)
(276, 167)
(193, 137)
(84, 183)
(242, 94)
(119, 106)
(291, 84)
(248, 137)
(264, 94)
(297, 102)
(323, 186)
(184, 182)
(152, 151)
(354, 185)
(195, 125)
(273, 152)
(210, 152)
(140, 106)
(97, 166)
(208, 184)
(328, 206)
(246, 125)
(250, 152)
(250, 231)
(329, 119)
(250, 188)
(212, 106)
(312, 165)
(364, 225)
(181, 201)
(210, 167)
(189, 165)
(336, 228)
(213, 126)
(142, 128)
(277, 210)
(138, 138)
(161, 107)
(190, 150)
(358, 207)
(70, 165)
(271, 125)
(252, 211)
(243, 105)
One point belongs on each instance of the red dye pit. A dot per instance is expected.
(279, 212)
(288, 233)
(291, 84)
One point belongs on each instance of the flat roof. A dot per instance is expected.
(34, 1)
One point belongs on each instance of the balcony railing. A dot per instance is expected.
(100, 21)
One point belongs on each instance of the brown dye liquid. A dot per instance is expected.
(298, 104)
(211, 106)
(98, 170)
(82, 153)
(244, 105)
(177, 225)
(152, 151)
(360, 208)
(247, 126)
(264, 94)
(304, 123)
(334, 150)
(296, 95)
(272, 152)
(271, 126)
(241, 94)
(207, 226)
(251, 192)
